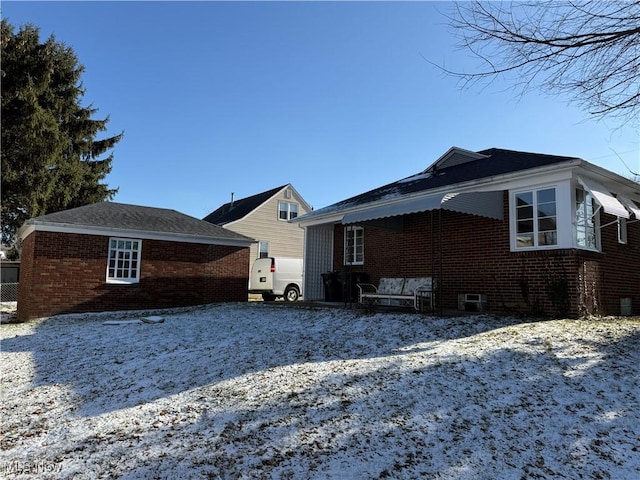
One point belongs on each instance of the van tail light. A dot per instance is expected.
(273, 266)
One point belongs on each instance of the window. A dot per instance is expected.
(622, 230)
(585, 223)
(287, 210)
(263, 249)
(123, 264)
(536, 224)
(354, 246)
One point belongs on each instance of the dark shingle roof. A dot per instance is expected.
(497, 162)
(120, 216)
(242, 207)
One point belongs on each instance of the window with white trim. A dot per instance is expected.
(263, 249)
(353, 245)
(287, 210)
(622, 230)
(586, 229)
(123, 263)
(536, 224)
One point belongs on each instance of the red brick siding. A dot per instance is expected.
(616, 272)
(471, 254)
(67, 273)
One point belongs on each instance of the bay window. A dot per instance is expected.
(536, 221)
(586, 231)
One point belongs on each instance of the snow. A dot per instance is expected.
(8, 311)
(415, 178)
(243, 391)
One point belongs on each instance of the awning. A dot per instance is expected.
(485, 204)
(632, 207)
(607, 201)
(415, 205)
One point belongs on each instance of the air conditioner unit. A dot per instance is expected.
(472, 302)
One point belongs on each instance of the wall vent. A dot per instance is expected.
(472, 302)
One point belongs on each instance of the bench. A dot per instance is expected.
(414, 293)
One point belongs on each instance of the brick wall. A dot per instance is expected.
(470, 254)
(615, 273)
(64, 273)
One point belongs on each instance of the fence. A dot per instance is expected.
(9, 292)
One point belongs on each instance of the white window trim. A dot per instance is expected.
(260, 243)
(129, 280)
(288, 204)
(566, 217)
(596, 221)
(622, 230)
(513, 219)
(353, 229)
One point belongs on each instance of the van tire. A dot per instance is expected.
(268, 297)
(291, 294)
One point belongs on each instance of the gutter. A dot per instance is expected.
(29, 228)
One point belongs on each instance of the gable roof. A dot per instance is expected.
(110, 218)
(232, 211)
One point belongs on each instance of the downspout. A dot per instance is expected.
(440, 260)
(435, 280)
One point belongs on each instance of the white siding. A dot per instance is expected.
(318, 260)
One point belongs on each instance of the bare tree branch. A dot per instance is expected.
(588, 50)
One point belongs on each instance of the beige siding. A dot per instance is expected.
(285, 239)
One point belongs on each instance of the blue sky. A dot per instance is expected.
(334, 97)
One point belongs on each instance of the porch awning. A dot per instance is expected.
(632, 207)
(485, 204)
(604, 197)
(415, 205)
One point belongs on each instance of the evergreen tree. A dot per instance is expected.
(51, 158)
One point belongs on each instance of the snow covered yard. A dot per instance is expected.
(267, 391)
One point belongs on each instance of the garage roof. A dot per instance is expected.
(109, 218)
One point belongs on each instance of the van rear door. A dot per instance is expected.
(262, 274)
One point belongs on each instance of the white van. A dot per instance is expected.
(277, 277)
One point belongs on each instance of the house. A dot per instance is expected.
(520, 232)
(113, 256)
(266, 217)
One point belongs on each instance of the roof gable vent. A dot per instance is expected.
(454, 156)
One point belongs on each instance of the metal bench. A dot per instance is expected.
(416, 293)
